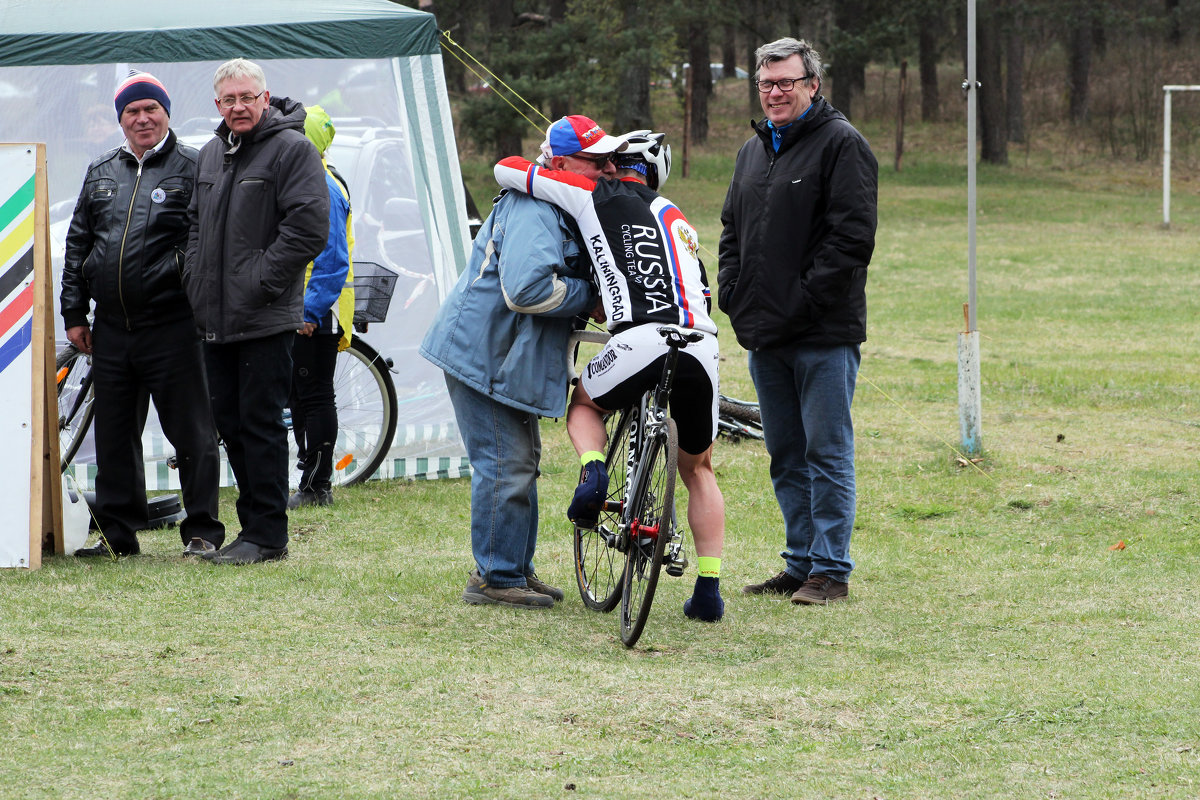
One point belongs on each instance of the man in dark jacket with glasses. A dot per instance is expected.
(799, 230)
(259, 215)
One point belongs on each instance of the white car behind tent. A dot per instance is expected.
(373, 64)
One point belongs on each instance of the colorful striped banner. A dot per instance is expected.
(16, 272)
(19, 534)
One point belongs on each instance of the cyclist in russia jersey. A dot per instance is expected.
(644, 260)
(644, 252)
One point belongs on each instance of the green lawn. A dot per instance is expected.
(995, 645)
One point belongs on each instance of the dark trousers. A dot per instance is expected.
(248, 382)
(163, 363)
(314, 413)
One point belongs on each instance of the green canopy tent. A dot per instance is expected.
(374, 65)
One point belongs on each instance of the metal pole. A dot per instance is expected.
(972, 111)
(1167, 90)
(1166, 156)
(970, 402)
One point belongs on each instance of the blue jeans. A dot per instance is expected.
(805, 393)
(505, 446)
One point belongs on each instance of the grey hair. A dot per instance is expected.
(787, 47)
(239, 68)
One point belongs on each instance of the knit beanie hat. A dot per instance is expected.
(140, 86)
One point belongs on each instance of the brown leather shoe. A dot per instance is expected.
(783, 583)
(479, 593)
(541, 587)
(820, 590)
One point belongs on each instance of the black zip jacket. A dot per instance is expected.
(259, 215)
(125, 245)
(799, 230)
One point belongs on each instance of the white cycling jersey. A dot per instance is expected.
(644, 253)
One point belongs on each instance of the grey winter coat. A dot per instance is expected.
(259, 215)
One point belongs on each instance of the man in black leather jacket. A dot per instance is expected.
(260, 214)
(799, 231)
(124, 251)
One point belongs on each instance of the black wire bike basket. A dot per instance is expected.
(373, 287)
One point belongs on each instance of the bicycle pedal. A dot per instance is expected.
(676, 563)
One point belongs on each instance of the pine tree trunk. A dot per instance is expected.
(928, 56)
(634, 84)
(1014, 78)
(701, 84)
(994, 139)
(1079, 49)
(728, 51)
(559, 103)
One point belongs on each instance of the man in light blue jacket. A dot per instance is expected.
(501, 338)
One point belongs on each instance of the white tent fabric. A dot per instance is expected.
(395, 147)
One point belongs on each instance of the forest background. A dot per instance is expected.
(1096, 65)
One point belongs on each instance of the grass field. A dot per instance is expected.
(996, 644)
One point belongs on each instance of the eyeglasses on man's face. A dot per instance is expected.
(230, 101)
(598, 161)
(784, 84)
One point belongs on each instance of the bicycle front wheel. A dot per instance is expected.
(742, 412)
(76, 401)
(366, 413)
(653, 518)
(597, 559)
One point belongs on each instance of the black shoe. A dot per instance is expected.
(199, 547)
(783, 583)
(102, 549)
(243, 552)
(315, 497)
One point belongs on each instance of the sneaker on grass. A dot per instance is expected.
(541, 587)
(478, 593)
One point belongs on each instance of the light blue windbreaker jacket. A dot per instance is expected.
(503, 329)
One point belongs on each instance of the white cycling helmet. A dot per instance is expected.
(647, 153)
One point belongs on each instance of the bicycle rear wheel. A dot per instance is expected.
(653, 515)
(76, 401)
(597, 559)
(366, 413)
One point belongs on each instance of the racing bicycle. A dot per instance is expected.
(636, 527)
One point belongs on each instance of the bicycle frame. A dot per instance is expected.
(649, 418)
